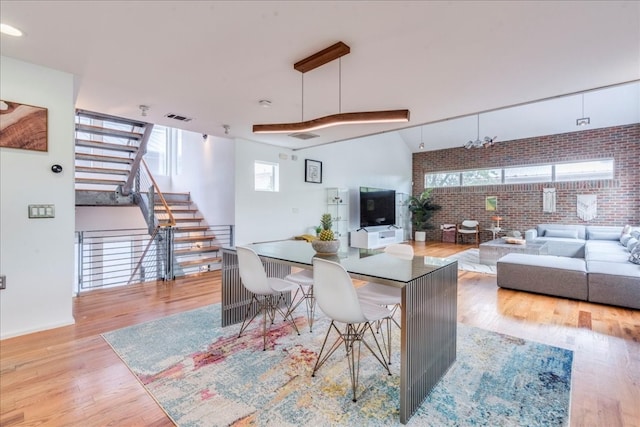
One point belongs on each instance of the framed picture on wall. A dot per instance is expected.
(312, 171)
(491, 203)
(23, 126)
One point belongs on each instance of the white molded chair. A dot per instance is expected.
(387, 295)
(267, 292)
(304, 279)
(468, 227)
(337, 298)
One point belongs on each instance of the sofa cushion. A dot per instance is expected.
(569, 234)
(603, 233)
(617, 284)
(605, 250)
(545, 274)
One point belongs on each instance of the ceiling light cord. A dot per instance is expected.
(302, 102)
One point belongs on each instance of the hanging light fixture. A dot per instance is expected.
(583, 121)
(316, 60)
(478, 143)
(421, 146)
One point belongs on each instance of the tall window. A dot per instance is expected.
(266, 176)
(164, 151)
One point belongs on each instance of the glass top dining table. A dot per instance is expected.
(366, 264)
(428, 314)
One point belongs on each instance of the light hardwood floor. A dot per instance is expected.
(70, 376)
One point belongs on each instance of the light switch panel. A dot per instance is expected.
(42, 211)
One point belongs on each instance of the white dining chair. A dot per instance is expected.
(304, 279)
(268, 293)
(387, 295)
(337, 298)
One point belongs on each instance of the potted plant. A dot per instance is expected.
(422, 209)
(326, 242)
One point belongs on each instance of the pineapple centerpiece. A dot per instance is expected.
(326, 243)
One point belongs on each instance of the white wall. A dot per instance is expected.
(89, 218)
(382, 161)
(208, 174)
(36, 255)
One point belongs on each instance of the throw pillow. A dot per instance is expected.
(624, 239)
(625, 230)
(571, 234)
(632, 243)
(635, 255)
(635, 234)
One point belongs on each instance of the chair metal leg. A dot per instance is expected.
(353, 338)
(268, 305)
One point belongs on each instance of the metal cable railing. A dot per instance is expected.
(107, 258)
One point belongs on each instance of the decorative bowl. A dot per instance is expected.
(326, 246)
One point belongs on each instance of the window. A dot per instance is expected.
(164, 151)
(580, 171)
(266, 176)
(524, 174)
(574, 171)
(444, 179)
(482, 177)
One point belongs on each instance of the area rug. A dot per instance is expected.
(469, 260)
(203, 375)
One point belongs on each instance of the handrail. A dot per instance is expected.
(142, 149)
(157, 192)
(144, 254)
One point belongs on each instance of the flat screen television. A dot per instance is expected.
(377, 207)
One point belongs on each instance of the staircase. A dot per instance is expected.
(110, 170)
(195, 247)
(108, 154)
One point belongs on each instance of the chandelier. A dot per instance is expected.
(480, 143)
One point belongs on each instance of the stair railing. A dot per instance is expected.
(135, 166)
(149, 192)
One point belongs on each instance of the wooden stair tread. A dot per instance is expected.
(200, 261)
(160, 208)
(116, 133)
(193, 239)
(99, 181)
(109, 171)
(106, 145)
(105, 159)
(196, 219)
(196, 250)
(190, 229)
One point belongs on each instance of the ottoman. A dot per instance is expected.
(544, 274)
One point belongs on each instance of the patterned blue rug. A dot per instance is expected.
(202, 375)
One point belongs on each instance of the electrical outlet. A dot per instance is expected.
(3, 281)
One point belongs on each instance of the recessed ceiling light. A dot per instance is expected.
(10, 31)
(265, 103)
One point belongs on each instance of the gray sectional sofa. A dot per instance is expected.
(590, 263)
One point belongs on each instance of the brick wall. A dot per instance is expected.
(521, 204)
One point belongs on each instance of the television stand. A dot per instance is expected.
(376, 238)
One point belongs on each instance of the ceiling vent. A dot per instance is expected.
(178, 117)
(303, 135)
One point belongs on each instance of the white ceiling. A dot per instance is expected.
(214, 60)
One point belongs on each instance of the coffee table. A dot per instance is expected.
(492, 251)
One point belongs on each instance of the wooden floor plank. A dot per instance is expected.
(70, 376)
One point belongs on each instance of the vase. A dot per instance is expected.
(326, 246)
(420, 236)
